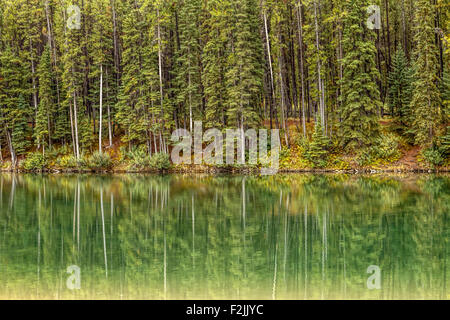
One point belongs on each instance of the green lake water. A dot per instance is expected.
(224, 237)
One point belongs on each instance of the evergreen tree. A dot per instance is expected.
(360, 95)
(426, 97)
(318, 148)
(188, 60)
(20, 131)
(42, 130)
(214, 61)
(244, 74)
(72, 78)
(445, 144)
(400, 88)
(13, 88)
(445, 94)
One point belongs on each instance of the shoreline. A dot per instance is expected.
(242, 171)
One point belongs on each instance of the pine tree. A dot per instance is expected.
(20, 130)
(138, 93)
(445, 144)
(214, 60)
(13, 88)
(244, 75)
(72, 78)
(360, 95)
(100, 50)
(46, 108)
(188, 72)
(400, 88)
(445, 94)
(426, 98)
(318, 148)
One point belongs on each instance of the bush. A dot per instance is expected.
(433, 156)
(386, 148)
(160, 161)
(139, 159)
(68, 162)
(35, 162)
(99, 162)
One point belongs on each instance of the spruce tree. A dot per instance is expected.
(188, 61)
(20, 130)
(400, 88)
(318, 148)
(244, 75)
(46, 108)
(360, 95)
(426, 97)
(214, 61)
(445, 94)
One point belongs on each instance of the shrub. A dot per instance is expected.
(68, 162)
(433, 156)
(139, 159)
(160, 161)
(35, 162)
(386, 148)
(99, 162)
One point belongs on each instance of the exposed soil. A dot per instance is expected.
(409, 159)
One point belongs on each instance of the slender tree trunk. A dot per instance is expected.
(269, 56)
(75, 116)
(100, 124)
(108, 108)
(53, 48)
(190, 101)
(116, 42)
(33, 79)
(388, 34)
(11, 149)
(302, 72)
(161, 89)
(319, 68)
(283, 106)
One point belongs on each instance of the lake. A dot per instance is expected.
(224, 237)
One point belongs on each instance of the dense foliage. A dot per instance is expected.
(133, 71)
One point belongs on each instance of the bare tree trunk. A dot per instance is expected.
(161, 91)
(302, 72)
(190, 101)
(319, 68)
(269, 56)
(52, 46)
(388, 34)
(11, 149)
(116, 46)
(100, 124)
(75, 116)
(283, 115)
(109, 112)
(33, 78)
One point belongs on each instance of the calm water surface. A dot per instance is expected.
(204, 237)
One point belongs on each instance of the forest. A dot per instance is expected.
(104, 83)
